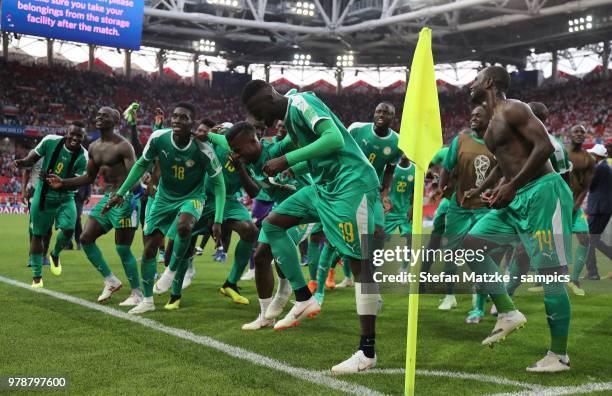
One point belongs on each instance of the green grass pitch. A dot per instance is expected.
(99, 354)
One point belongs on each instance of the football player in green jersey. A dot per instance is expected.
(469, 162)
(116, 155)
(401, 195)
(236, 216)
(342, 199)
(379, 144)
(64, 157)
(249, 156)
(533, 205)
(180, 195)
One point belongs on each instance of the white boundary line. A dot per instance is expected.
(563, 390)
(457, 374)
(302, 374)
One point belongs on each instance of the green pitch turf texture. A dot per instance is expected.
(100, 354)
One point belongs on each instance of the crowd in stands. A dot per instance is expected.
(52, 96)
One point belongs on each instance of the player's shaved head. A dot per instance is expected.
(242, 139)
(238, 129)
(499, 76)
(539, 110)
(253, 88)
(115, 114)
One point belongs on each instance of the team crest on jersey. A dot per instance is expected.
(410, 178)
(387, 150)
(189, 163)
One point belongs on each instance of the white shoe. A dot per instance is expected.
(164, 282)
(134, 299)
(189, 274)
(249, 275)
(276, 306)
(258, 323)
(448, 302)
(199, 251)
(110, 287)
(142, 307)
(301, 310)
(346, 282)
(551, 363)
(506, 324)
(355, 364)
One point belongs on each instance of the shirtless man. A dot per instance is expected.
(533, 202)
(581, 174)
(114, 156)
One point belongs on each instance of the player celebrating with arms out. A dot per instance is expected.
(115, 155)
(65, 157)
(342, 199)
(180, 195)
(532, 202)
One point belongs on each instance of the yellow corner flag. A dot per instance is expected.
(420, 138)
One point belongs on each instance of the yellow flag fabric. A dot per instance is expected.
(421, 131)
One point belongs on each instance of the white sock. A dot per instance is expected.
(148, 299)
(284, 287)
(264, 303)
(137, 292)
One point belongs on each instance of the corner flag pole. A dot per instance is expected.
(420, 138)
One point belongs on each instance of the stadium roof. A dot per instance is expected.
(378, 32)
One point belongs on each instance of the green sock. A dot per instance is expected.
(515, 277)
(580, 259)
(95, 257)
(129, 265)
(285, 251)
(179, 250)
(60, 242)
(36, 264)
(496, 290)
(325, 262)
(346, 268)
(558, 315)
(177, 283)
(148, 269)
(242, 253)
(479, 304)
(313, 252)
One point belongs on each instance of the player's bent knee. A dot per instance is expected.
(183, 230)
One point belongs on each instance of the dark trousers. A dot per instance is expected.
(597, 225)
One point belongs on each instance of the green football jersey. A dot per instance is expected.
(347, 168)
(182, 169)
(380, 151)
(402, 189)
(439, 157)
(559, 158)
(45, 149)
(230, 176)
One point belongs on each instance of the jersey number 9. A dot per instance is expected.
(372, 158)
